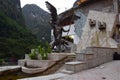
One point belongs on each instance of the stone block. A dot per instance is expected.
(56, 56)
(80, 56)
(74, 66)
(96, 61)
(66, 71)
(89, 64)
(40, 63)
(21, 62)
(32, 70)
(88, 56)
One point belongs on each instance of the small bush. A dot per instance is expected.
(44, 51)
(33, 54)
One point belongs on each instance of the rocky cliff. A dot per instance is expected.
(12, 9)
(37, 21)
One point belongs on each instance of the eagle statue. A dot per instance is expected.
(58, 22)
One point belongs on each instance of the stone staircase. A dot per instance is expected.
(91, 57)
(81, 63)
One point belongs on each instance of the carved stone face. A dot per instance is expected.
(92, 23)
(102, 25)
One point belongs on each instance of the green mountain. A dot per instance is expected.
(15, 39)
(37, 21)
(12, 9)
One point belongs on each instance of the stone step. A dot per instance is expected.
(32, 70)
(84, 56)
(80, 56)
(74, 66)
(66, 72)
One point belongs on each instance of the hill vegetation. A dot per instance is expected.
(37, 21)
(15, 39)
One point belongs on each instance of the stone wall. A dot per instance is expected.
(79, 24)
(91, 57)
(100, 56)
(100, 5)
(35, 63)
(95, 56)
(93, 36)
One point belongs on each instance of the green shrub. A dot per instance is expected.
(43, 51)
(33, 54)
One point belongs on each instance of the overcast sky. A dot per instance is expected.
(61, 5)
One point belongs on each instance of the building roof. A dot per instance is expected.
(68, 16)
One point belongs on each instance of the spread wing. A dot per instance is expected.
(67, 20)
(53, 11)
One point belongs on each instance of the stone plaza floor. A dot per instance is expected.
(107, 71)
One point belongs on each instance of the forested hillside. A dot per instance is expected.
(37, 21)
(15, 39)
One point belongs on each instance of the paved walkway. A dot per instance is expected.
(47, 77)
(4, 68)
(107, 71)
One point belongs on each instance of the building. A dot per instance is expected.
(82, 8)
